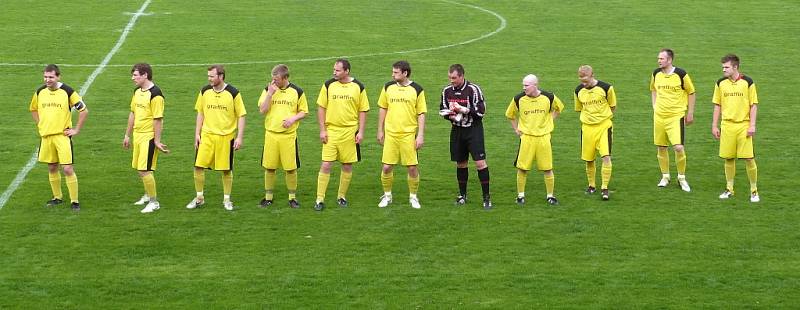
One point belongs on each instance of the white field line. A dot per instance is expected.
(426, 49)
(84, 88)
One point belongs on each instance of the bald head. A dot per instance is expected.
(530, 85)
(530, 78)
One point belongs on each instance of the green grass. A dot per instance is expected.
(646, 248)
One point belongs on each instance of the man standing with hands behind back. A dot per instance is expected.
(672, 94)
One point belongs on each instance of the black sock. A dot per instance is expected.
(462, 174)
(483, 175)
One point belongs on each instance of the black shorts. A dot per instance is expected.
(465, 141)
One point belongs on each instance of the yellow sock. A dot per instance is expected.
(269, 183)
(413, 184)
(322, 185)
(72, 187)
(549, 183)
(55, 184)
(150, 185)
(291, 184)
(344, 183)
(386, 181)
(199, 180)
(227, 182)
(590, 173)
(752, 174)
(680, 162)
(606, 174)
(522, 177)
(663, 160)
(730, 173)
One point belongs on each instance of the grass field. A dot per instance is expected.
(646, 248)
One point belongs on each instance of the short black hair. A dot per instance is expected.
(52, 68)
(143, 68)
(404, 66)
(457, 68)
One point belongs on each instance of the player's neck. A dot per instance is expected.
(668, 69)
(57, 86)
(147, 85)
(736, 76)
(405, 82)
(346, 80)
(535, 94)
(221, 87)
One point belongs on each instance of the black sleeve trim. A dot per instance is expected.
(578, 88)
(234, 92)
(204, 89)
(67, 89)
(155, 91)
(748, 79)
(329, 82)
(297, 89)
(720, 80)
(605, 86)
(517, 98)
(387, 84)
(417, 87)
(360, 85)
(550, 96)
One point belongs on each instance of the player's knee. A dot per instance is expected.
(347, 167)
(388, 169)
(413, 171)
(678, 148)
(143, 173)
(607, 159)
(68, 171)
(325, 167)
(52, 168)
(548, 172)
(481, 164)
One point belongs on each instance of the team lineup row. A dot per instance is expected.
(342, 106)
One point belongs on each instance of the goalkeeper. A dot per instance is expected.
(463, 105)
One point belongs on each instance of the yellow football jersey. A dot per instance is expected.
(735, 98)
(285, 103)
(221, 110)
(534, 113)
(146, 106)
(402, 104)
(343, 102)
(595, 103)
(53, 107)
(672, 91)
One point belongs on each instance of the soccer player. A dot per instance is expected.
(401, 130)
(342, 115)
(531, 114)
(463, 105)
(145, 121)
(50, 108)
(284, 105)
(672, 94)
(220, 112)
(596, 101)
(736, 100)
